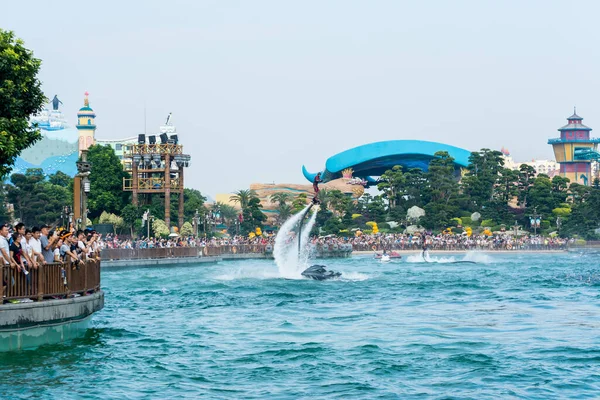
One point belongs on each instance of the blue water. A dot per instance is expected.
(510, 326)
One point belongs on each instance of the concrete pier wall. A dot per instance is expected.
(28, 325)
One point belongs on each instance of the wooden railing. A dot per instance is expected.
(209, 251)
(182, 252)
(50, 281)
(134, 254)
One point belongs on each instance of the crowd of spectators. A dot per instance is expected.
(453, 242)
(115, 242)
(365, 242)
(23, 248)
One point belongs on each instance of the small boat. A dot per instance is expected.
(391, 254)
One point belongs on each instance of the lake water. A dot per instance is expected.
(508, 326)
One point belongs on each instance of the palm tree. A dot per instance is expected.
(243, 197)
(299, 202)
(280, 197)
(285, 210)
(228, 213)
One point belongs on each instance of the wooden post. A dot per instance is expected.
(76, 199)
(41, 271)
(67, 267)
(180, 220)
(85, 276)
(168, 191)
(134, 182)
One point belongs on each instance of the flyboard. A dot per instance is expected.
(316, 272)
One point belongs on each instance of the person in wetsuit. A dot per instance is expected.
(316, 182)
(425, 252)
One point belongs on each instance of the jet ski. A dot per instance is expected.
(391, 254)
(320, 273)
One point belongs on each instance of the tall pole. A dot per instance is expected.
(196, 223)
(180, 216)
(168, 190)
(134, 181)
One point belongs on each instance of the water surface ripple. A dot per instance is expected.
(509, 326)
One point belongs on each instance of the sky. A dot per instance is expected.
(259, 88)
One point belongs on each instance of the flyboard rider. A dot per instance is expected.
(316, 182)
(425, 253)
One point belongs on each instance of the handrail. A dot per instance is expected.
(49, 281)
(203, 251)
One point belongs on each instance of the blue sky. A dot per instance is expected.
(258, 88)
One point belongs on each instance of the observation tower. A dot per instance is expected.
(575, 150)
(86, 125)
(157, 169)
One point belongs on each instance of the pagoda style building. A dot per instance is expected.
(86, 125)
(575, 151)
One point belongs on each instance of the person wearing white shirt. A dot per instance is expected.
(20, 229)
(4, 247)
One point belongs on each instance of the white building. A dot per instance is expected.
(547, 167)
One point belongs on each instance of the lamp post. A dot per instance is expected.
(196, 218)
(215, 217)
(149, 222)
(65, 213)
(535, 220)
(516, 228)
(558, 223)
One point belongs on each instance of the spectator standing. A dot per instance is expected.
(48, 244)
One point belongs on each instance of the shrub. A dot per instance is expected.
(487, 223)
(456, 222)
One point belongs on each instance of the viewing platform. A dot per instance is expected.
(52, 304)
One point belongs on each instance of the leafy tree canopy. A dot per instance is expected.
(106, 181)
(20, 97)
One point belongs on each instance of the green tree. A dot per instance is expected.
(334, 200)
(392, 183)
(284, 212)
(192, 200)
(441, 192)
(546, 194)
(484, 170)
(186, 229)
(253, 216)
(36, 200)
(280, 198)
(526, 178)
(61, 179)
(442, 184)
(20, 97)
(507, 185)
(160, 228)
(376, 209)
(106, 181)
(299, 202)
(243, 197)
(585, 217)
(415, 182)
(227, 211)
(130, 215)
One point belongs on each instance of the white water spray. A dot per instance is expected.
(289, 262)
